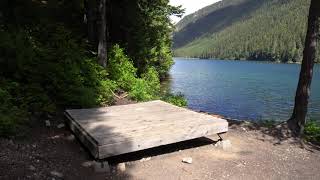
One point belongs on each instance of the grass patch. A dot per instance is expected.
(312, 131)
(175, 99)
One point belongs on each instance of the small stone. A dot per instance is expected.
(225, 144)
(187, 160)
(59, 126)
(56, 174)
(145, 159)
(32, 168)
(48, 124)
(11, 142)
(87, 164)
(101, 167)
(244, 129)
(70, 138)
(121, 167)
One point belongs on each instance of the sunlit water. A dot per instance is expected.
(242, 89)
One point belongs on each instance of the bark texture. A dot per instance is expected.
(102, 47)
(91, 14)
(298, 119)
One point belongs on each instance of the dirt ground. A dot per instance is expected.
(53, 153)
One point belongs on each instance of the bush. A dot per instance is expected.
(121, 68)
(312, 131)
(42, 75)
(175, 99)
(267, 123)
(147, 87)
(12, 117)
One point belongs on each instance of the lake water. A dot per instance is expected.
(242, 89)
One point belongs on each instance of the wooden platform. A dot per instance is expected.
(122, 129)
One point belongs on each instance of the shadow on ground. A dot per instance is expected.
(165, 149)
(276, 134)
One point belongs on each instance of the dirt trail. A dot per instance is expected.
(253, 155)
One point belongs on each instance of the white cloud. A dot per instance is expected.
(191, 6)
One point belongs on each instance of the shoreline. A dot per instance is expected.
(253, 60)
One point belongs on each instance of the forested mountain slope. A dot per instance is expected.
(245, 29)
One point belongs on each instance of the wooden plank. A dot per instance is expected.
(164, 131)
(83, 136)
(116, 130)
(143, 124)
(143, 143)
(151, 128)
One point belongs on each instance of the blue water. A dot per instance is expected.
(242, 89)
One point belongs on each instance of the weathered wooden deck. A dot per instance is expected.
(116, 130)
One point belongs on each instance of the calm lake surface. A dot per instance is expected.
(242, 89)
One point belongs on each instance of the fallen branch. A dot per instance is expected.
(119, 97)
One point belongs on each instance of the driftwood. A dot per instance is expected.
(124, 95)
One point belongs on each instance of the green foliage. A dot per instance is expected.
(12, 117)
(267, 123)
(147, 87)
(312, 131)
(44, 75)
(48, 64)
(121, 68)
(245, 29)
(139, 91)
(149, 28)
(122, 71)
(175, 99)
(151, 76)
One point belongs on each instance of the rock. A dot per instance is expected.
(48, 124)
(56, 174)
(225, 144)
(187, 160)
(101, 167)
(121, 167)
(32, 168)
(145, 159)
(70, 138)
(240, 165)
(87, 164)
(61, 125)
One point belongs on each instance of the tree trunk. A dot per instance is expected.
(91, 21)
(298, 119)
(102, 47)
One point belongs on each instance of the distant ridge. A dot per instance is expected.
(244, 29)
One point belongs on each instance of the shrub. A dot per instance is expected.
(312, 131)
(139, 91)
(175, 99)
(41, 75)
(121, 68)
(267, 123)
(12, 117)
(147, 87)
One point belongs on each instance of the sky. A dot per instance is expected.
(190, 6)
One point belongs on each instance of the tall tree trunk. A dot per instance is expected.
(298, 119)
(91, 21)
(102, 47)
